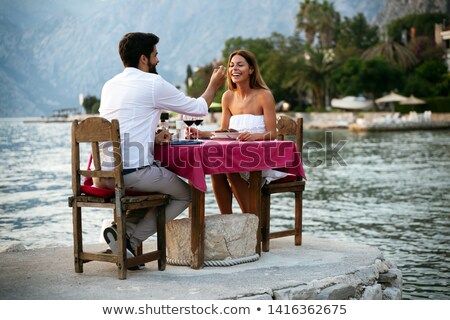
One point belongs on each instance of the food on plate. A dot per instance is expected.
(226, 130)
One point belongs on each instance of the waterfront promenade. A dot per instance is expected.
(319, 269)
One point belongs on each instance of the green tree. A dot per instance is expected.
(307, 17)
(422, 23)
(277, 68)
(371, 77)
(345, 79)
(356, 32)
(432, 70)
(419, 87)
(200, 79)
(313, 74)
(425, 48)
(318, 19)
(260, 47)
(189, 74)
(378, 76)
(91, 104)
(328, 24)
(395, 53)
(428, 80)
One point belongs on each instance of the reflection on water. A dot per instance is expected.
(392, 192)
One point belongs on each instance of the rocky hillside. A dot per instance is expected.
(52, 50)
(395, 9)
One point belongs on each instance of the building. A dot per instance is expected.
(442, 37)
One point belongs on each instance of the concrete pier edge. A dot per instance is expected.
(320, 269)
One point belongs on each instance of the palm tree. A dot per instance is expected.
(312, 73)
(307, 19)
(318, 18)
(394, 53)
(327, 23)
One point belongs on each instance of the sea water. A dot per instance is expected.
(390, 190)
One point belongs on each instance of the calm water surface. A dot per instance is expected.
(389, 190)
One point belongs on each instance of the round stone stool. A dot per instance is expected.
(229, 240)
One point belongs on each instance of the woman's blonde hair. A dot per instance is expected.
(256, 80)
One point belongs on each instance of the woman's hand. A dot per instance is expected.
(247, 136)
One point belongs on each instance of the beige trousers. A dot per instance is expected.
(141, 225)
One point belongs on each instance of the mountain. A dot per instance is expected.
(395, 9)
(51, 50)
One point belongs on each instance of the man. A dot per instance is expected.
(136, 98)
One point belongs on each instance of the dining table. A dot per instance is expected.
(194, 160)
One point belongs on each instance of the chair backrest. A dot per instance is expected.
(93, 131)
(286, 127)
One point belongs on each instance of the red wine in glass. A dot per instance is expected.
(189, 121)
(198, 122)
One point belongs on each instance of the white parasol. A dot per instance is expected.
(352, 103)
(412, 100)
(391, 97)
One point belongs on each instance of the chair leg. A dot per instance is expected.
(265, 222)
(161, 237)
(298, 217)
(121, 244)
(139, 249)
(77, 238)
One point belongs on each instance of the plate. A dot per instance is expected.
(225, 135)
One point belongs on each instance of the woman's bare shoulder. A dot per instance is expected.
(264, 94)
(227, 94)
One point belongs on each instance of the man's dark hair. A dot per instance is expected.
(135, 44)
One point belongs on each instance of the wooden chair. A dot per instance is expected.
(285, 127)
(92, 131)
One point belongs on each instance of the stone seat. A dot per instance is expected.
(228, 238)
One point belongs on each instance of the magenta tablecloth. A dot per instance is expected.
(193, 162)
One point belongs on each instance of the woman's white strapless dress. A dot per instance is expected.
(254, 124)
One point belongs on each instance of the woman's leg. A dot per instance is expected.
(240, 190)
(222, 192)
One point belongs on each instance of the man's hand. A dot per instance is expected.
(163, 136)
(218, 77)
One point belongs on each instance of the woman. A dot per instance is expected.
(248, 106)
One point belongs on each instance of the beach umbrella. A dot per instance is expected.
(391, 97)
(352, 103)
(412, 100)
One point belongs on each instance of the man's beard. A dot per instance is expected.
(151, 67)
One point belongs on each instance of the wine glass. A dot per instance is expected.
(197, 121)
(189, 121)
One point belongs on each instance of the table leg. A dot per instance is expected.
(197, 214)
(255, 203)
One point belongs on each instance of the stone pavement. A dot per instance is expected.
(286, 272)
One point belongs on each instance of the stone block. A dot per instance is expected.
(381, 265)
(372, 293)
(340, 291)
(302, 292)
(387, 277)
(398, 281)
(392, 293)
(226, 237)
